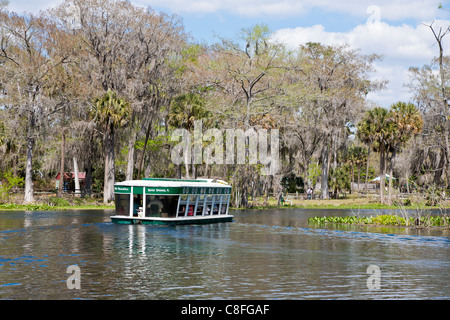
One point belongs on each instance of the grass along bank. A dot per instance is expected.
(55, 203)
(46, 207)
(346, 203)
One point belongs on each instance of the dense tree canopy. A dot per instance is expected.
(106, 83)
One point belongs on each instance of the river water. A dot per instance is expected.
(262, 254)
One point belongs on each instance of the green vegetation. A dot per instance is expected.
(111, 86)
(386, 220)
(9, 182)
(58, 203)
(46, 207)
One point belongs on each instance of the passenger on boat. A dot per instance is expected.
(156, 206)
(137, 202)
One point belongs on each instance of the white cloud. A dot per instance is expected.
(247, 8)
(401, 46)
(277, 8)
(395, 91)
(392, 10)
(394, 42)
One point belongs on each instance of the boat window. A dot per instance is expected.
(215, 208)
(200, 205)
(161, 206)
(190, 209)
(122, 204)
(137, 203)
(183, 203)
(182, 210)
(223, 209)
(209, 205)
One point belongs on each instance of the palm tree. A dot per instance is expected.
(185, 109)
(407, 122)
(408, 119)
(375, 130)
(387, 130)
(110, 112)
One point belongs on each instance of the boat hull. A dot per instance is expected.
(171, 221)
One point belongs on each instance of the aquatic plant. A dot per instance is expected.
(386, 220)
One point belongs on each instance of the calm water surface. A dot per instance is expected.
(270, 254)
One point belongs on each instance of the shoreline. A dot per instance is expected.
(356, 204)
(334, 204)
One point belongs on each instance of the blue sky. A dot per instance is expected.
(393, 28)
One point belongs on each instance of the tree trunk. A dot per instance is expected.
(335, 147)
(130, 160)
(141, 159)
(359, 174)
(108, 191)
(306, 181)
(407, 182)
(382, 174)
(324, 192)
(148, 168)
(179, 171)
(447, 149)
(353, 179)
(88, 179)
(29, 197)
(88, 168)
(244, 195)
(61, 171)
(367, 167)
(390, 177)
(439, 37)
(244, 180)
(77, 180)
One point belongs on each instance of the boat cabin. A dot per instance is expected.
(171, 201)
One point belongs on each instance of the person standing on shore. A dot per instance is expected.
(309, 193)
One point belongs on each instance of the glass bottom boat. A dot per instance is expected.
(171, 201)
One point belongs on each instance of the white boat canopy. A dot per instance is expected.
(173, 186)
